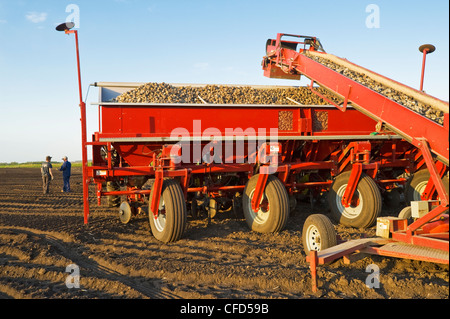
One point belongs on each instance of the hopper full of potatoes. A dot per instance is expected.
(219, 94)
(228, 94)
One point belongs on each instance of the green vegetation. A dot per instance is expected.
(35, 164)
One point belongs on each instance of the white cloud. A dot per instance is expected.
(3, 21)
(36, 17)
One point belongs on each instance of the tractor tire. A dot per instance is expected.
(213, 208)
(366, 203)
(318, 233)
(237, 206)
(417, 184)
(392, 198)
(194, 208)
(113, 201)
(171, 221)
(273, 216)
(405, 213)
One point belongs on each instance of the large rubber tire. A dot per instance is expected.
(417, 184)
(392, 198)
(171, 222)
(238, 210)
(318, 233)
(367, 202)
(274, 218)
(405, 213)
(113, 201)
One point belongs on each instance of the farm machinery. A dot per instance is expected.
(421, 229)
(166, 159)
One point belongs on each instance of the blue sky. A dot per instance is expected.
(211, 42)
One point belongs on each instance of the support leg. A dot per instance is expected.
(434, 173)
(313, 261)
(352, 184)
(156, 192)
(259, 190)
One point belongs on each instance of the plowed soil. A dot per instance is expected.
(41, 235)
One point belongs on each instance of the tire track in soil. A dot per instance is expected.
(99, 271)
(218, 260)
(7, 292)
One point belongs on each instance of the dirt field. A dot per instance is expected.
(40, 235)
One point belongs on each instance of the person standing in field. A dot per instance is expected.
(66, 168)
(47, 174)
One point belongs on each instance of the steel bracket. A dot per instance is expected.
(352, 184)
(259, 191)
(156, 193)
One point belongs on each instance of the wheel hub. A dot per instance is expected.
(262, 215)
(160, 218)
(355, 207)
(313, 238)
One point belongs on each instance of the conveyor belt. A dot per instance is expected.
(421, 103)
(404, 121)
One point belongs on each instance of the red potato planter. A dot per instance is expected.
(136, 150)
(161, 156)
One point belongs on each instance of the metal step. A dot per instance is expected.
(409, 251)
(346, 248)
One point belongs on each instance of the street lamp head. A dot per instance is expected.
(65, 26)
(429, 47)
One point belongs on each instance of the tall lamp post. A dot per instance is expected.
(425, 49)
(67, 29)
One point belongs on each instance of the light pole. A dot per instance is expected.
(67, 28)
(425, 49)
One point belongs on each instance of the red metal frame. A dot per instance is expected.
(259, 190)
(156, 194)
(400, 119)
(431, 230)
(376, 246)
(356, 154)
(352, 183)
(338, 158)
